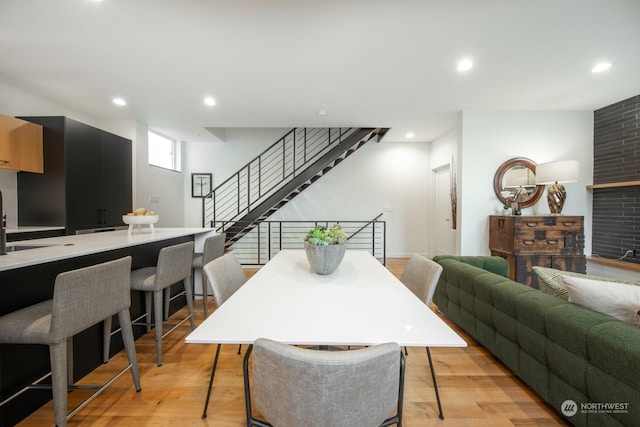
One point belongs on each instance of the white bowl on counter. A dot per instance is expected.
(139, 220)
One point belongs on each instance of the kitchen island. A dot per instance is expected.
(27, 277)
(27, 233)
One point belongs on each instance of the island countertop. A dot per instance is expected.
(27, 277)
(63, 247)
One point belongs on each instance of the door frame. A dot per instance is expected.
(434, 222)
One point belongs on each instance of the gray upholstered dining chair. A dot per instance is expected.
(173, 266)
(421, 276)
(213, 248)
(81, 299)
(225, 276)
(292, 386)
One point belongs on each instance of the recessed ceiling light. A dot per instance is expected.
(600, 67)
(409, 135)
(322, 112)
(120, 102)
(210, 101)
(464, 65)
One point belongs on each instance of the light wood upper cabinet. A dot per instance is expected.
(20, 145)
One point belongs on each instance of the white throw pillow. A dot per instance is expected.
(617, 300)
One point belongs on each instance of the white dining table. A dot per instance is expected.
(361, 303)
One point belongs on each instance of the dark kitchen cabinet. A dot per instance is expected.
(87, 180)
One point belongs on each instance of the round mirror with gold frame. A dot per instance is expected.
(516, 178)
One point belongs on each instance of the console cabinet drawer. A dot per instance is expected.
(548, 242)
(537, 234)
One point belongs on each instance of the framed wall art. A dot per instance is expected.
(201, 184)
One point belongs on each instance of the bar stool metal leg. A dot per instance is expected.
(158, 313)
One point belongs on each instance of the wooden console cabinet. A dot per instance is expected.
(549, 241)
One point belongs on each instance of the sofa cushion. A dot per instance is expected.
(507, 351)
(531, 308)
(612, 374)
(504, 294)
(560, 391)
(608, 390)
(533, 372)
(617, 300)
(504, 312)
(550, 280)
(568, 325)
(493, 264)
(616, 341)
(568, 366)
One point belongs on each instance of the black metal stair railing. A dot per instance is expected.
(270, 237)
(259, 178)
(277, 175)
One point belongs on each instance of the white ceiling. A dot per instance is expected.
(276, 63)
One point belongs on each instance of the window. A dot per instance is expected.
(164, 152)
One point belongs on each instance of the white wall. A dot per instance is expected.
(490, 138)
(158, 189)
(222, 160)
(387, 177)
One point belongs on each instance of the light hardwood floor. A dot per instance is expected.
(475, 388)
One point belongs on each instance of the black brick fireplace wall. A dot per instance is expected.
(616, 159)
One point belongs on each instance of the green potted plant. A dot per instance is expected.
(325, 247)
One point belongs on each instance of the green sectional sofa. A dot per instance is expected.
(566, 353)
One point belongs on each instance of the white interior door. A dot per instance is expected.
(444, 234)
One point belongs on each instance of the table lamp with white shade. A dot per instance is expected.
(556, 173)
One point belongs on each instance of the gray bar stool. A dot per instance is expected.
(174, 265)
(81, 299)
(213, 248)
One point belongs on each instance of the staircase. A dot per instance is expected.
(277, 175)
